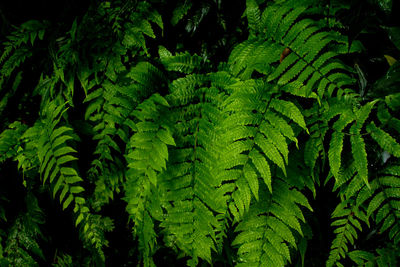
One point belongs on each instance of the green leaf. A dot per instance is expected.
(63, 151)
(271, 152)
(79, 219)
(262, 167)
(252, 179)
(76, 189)
(385, 141)
(289, 110)
(334, 154)
(363, 113)
(68, 201)
(359, 153)
(166, 137)
(65, 159)
(253, 15)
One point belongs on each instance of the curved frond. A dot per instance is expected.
(347, 222)
(181, 62)
(116, 120)
(382, 201)
(57, 159)
(385, 140)
(269, 231)
(146, 156)
(308, 65)
(359, 153)
(190, 195)
(253, 15)
(387, 256)
(257, 137)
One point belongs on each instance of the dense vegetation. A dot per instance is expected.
(249, 133)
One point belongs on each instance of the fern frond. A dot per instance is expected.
(336, 142)
(214, 160)
(190, 192)
(223, 81)
(92, 232)
(181, 62)
(384, 140)
(6, 52)
(310, 68)
(256, 135)
(289, 110)
(387, 256)
(139, 26)
(344, 117)
(22, 247)
(56, 166)
(335, 151)
(253, 55)
(9, 140)
(63, 260)
(361, 257)
(253, 15)
(386, 118)
(14, 61)
(268, 231)
(146, 156)
(18, 47)
(383, 200)
(347, 220)
(111, 109)
(54, 154)
(359, 153)
(314, 147)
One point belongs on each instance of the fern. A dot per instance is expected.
(9, 140)
(54, 155)
(189, 192)
(146, 156)
(19, 40)
(139, 26)
(253, 15)
(258, 136)
(310, 69)
(115, 121)
(253, 55)
(362, 201)
(347, 220)
(111, 104)
(63, 261)
(17, 49)
(268, 231)
(22, 241)
(195, 159)
(182, 62)
(385, 141)
(382, 200)
(387, 256)
(55, 166)
(345, 117)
